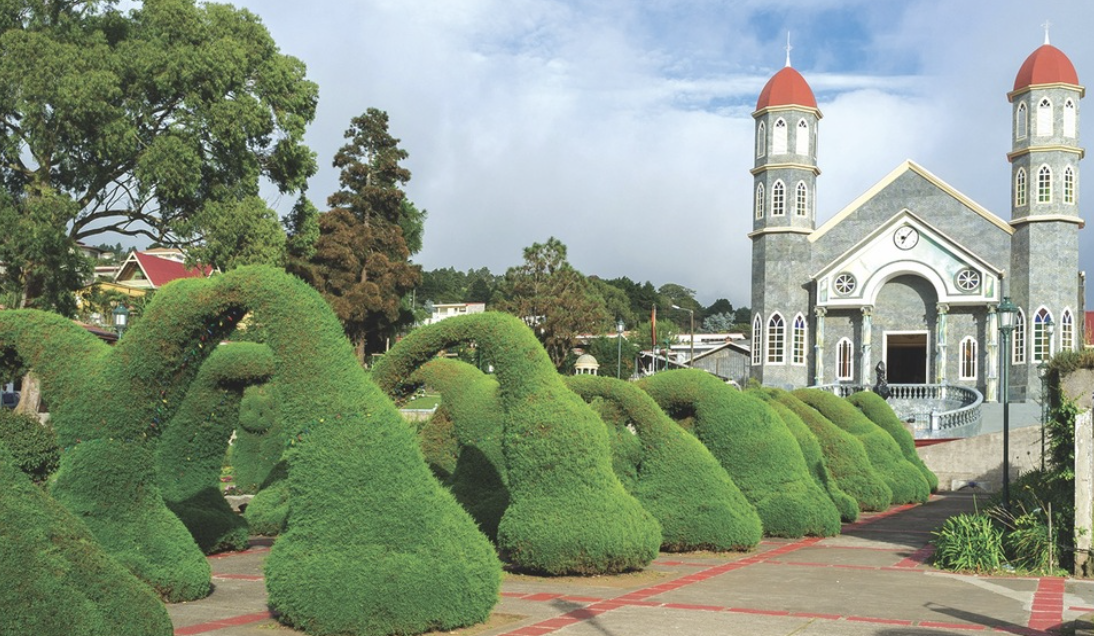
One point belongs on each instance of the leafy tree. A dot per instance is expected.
(553, 298)
(610, 351)
(643, 297)
(361, 260)
(302, 229)
(412, 222)
(139, 124)
(615, 301)
(41, 265)
(718, 323)
(478, 292)
(720, 306)
(667, 331)
(239, 232)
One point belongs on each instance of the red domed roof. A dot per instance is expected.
(786, 88)
(1046, 65)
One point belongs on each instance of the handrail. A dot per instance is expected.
(907, 402)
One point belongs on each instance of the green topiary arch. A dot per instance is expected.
(754, 447)
(675, 476)
(374, 545)
(879, 412)
(568, 513)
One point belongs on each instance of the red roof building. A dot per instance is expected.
(143, 270)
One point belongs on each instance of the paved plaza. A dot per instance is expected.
(872, 580)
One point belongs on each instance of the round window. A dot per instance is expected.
(968, 280)
(845, 284)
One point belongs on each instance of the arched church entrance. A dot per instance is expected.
(904, 317)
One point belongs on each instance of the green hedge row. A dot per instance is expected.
(904, 480)
(190, 451)
(879, 412)
(56, 579)
(844, 456)
(470, 403)
(670, 472)
(755, 448)
(568, 513)
(812, 452)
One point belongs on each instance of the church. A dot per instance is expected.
(912, 272)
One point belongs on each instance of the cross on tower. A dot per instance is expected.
(1047, 25)
(788, 48)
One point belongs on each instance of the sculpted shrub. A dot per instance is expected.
(879, 412)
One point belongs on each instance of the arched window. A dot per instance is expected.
(968, 359)
(1044, 118)
(778, 141)
(1067, 331)
(776, 339)
(1069, 185)
(757, 340)
(1019, 354)
(845, 360)
(798, 345)
(1069, 118)
(801, 199)
(1044, 185)
(778, 199)
(1021, 121)
(761, 140)
(801, 138)
(1020, 188)
(1042, 341)
(759, 200)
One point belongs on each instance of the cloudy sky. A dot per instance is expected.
(623, 128)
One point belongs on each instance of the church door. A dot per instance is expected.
(906, 357)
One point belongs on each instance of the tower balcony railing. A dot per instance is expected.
(932, 410)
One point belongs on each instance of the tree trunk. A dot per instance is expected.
(30, 396)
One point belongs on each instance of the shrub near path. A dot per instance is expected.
(844, 455)
(753, 445)
(374, 544)
(907, 484)
(568, 513)
(878, 410)
(675, 476)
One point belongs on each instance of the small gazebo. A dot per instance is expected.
(586, 365)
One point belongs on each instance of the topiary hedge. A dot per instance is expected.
(57, 580)
(879, 412)
(190, 452)
(672, 474)
(904, 480)
(374, 544)
(568, 513)
(755, 448)
(812, 452)
(844, 456)
(32, 444)
(259, 444)
(470, 400)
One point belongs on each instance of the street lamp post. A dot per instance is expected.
(619, 354)
(121, 318)
(691, 354)
(1006, 311)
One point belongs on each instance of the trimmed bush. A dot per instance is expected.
(33, 445)
(568, 513)
(670, 472)
(755, 448)
(469, 398)
(259, 442)
(190, 452)
(844, 456)
(373, 545)
(811, 451)
(878, 410)
(904, 480)
(268, 512)
(57, 580)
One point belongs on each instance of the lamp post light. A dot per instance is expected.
(1006, 311)
(619, 348)
(691, 354)
(121, 319)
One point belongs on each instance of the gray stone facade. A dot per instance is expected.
(911, 272)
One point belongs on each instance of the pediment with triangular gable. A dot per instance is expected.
(906, 244)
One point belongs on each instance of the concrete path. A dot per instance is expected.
(869, 581)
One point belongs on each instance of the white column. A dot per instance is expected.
(818, 346)
(940, 344)
(865, 372)
(992, 394)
